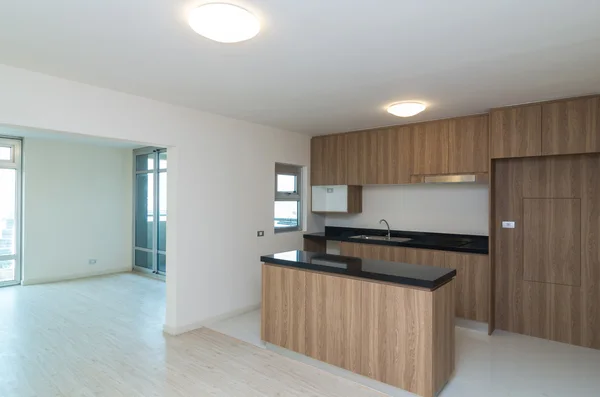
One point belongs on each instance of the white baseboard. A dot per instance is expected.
(174, 331)
(55, 279)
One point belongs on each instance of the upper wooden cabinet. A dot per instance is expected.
(328, 160)
(362, 158)
(516, 132)
(430, 148)
(394, 155)
(468, 145)
(317, 160)
(571, 126)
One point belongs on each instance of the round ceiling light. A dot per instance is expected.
(225, 23)
(406, 109)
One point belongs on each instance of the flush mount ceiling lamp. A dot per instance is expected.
(406, 109)
(225, 23)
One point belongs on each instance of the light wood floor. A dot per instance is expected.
(103, 337)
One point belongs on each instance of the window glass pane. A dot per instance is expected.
(5, 153)
(7, 270)
(143, 259)
(144, 212)
(162, 160)
(286, 214)
(144, 162)
(162, 206)
(8, 200)
(286, 183)
(162, 263)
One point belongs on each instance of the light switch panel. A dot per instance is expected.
(508, 225)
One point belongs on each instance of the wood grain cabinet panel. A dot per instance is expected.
(418, 256)
(394, 156)
(333, 318)
(408, 336)
(336, 160)
(385, 325)
(468, 145)
(552, 246)
(590, 252)
(362, 157)
(555, 244)
(373, 251)
(284, 308)
(472, 284)
(571, 126)
(317, 161)
(430, 148)
(516, 132)
(328, 160)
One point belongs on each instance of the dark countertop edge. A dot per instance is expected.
(398, 280)
(321, 237)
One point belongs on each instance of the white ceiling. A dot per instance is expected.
(318, 66)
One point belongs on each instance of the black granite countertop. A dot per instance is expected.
(393, 272)
(436, 241)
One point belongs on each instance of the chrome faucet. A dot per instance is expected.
(389, 233)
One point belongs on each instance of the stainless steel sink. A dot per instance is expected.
(382, 238)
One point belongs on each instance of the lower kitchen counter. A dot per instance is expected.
(472, 272)
(344, 311)
(423, 240)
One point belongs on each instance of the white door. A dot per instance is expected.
(10, 211)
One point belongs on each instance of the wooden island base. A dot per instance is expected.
(397, 334)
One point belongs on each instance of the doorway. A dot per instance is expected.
(150, 210)
(10, 211)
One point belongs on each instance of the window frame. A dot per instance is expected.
(296, 171)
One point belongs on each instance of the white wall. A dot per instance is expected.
(77, 206)
(448, 208)
(220, 189)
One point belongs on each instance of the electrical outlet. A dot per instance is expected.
(92, 262)
(260, 233)
(508, 224)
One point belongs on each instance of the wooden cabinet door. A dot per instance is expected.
(516, 132)
(333, 318)
(430, 148)
(349, 249)
(373, 251)
(472, 284)
(328, 156)
(362, 158)
(571, 127)
(418, 256)
(336, 166)
(468, 145)
(317, 161)
(283, 307)
(394, 156)
(385, 345)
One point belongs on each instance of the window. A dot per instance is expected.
(10, 214)
(288, 197)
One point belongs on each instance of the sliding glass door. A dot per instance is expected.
(150, 210)
(10, 211)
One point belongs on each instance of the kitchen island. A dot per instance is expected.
(393, 322)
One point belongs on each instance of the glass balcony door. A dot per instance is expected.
(150, 210)
(10, 211)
